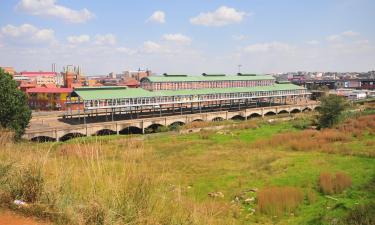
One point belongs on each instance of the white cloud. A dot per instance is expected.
(334, 37)
(157, 17)
(106, 39)
(239, 37)
(151, 47)
(52, 9)
(339, 37)
(126, 50)
(28, 33)
(363, 42)
(80, 39)
(267, 47)
(312, 42)
(350, 33)
(220, 17)
(177, 38)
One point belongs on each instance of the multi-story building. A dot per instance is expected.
(178, 82)
(138, 74)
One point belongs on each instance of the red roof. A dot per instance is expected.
(38, 74)
(49, 90)
(49, 85)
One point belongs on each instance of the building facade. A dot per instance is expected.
(179, 82)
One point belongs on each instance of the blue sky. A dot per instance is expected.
(264, 36)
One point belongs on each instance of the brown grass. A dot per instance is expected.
(6, 137)
(326, 140)
(334, 183)
(278, 200)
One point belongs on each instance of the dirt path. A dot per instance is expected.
(11, 218)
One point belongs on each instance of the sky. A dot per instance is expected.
(188, 37)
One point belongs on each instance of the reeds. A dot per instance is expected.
(334, 183)
(279, 200)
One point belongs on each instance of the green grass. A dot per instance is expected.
(166, 178)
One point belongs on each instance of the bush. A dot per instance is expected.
(301, 124)
(28, 184)
(278, 200)
(331, 108)
(363, 214)
(334, 184)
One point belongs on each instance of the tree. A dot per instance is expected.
(331, 108)
(15, 113)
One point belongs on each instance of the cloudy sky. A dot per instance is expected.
(195, 36)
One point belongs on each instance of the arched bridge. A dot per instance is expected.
(140, 125)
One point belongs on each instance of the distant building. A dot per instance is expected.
(138, 74)
(8, 69)
(73, 76)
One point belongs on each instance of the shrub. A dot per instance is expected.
(330, 110)
(278, 200)
(363, 214)
(28, 184)
(301, 124)
(334, 184)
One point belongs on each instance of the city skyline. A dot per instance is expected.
(188, 37)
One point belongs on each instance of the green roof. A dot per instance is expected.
(222, 77)
(97, 93)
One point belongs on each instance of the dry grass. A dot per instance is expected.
(334, 183)
(279, 200)
(324, 140)
(6, 137)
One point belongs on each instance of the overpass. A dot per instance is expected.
(141, 125)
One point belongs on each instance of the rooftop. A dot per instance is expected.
(118, 92)
(207, 77)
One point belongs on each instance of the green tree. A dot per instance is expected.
(331, 108)
(15, 113)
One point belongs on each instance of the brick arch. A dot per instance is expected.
(218, 118)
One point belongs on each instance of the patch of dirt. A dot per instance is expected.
(10, 218)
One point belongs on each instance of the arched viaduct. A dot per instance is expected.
(140, 125)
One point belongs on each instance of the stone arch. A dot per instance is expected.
(283, 111)
(43, 139)
(295, 110)
(237, 117)
(175, 125)
(104, 132)
(270, 113)
(197, 120)
(254, 115)
(154, 128)
(307, 109)
(219, 118)
(69, 136)
(317, 108)
(131, 130)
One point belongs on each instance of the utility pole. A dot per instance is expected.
(239, 68)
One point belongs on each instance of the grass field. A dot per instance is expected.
(255, 172)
